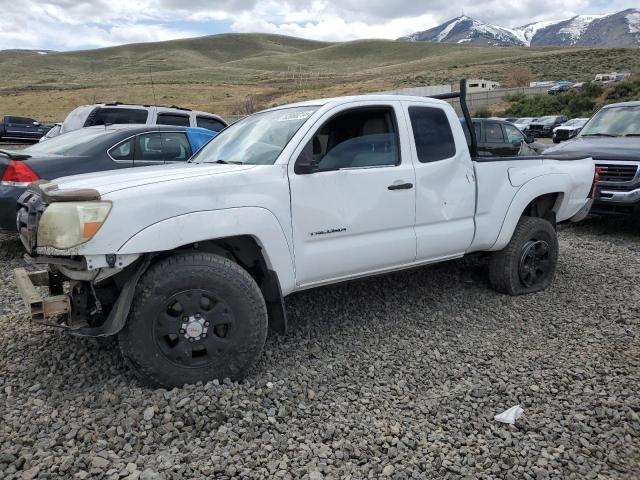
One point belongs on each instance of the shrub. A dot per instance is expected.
(574, 103)
(482, 112)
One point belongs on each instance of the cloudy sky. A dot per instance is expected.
(77, 24)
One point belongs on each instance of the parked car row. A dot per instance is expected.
(556, 127)
(612, 138)
(23, 128)
(93, 149)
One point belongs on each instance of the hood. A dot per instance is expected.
(568, 127)
(602, 148)
(112, 180)
(543, 122)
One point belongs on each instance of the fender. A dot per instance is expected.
(542, 185)
(189, 228)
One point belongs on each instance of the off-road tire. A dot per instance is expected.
(505, 266)
(180, 274)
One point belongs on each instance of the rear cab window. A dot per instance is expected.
(432, 134)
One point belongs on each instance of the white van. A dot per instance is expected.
(119, 113)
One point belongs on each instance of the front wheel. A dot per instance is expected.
(528, 263)
(195, 317)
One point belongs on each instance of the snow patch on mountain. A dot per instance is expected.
(634, 22)
(447, 30)
(527, 32)
(577, 26)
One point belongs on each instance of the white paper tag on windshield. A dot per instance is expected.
(287, 117)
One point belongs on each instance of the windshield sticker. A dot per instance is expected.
(290, 116)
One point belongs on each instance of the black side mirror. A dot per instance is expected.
(305, 168)
(529, 139)
(305, 164)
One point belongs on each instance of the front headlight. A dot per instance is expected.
(68, 224)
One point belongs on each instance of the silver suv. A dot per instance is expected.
(119, 113)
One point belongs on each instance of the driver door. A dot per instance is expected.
(353, 195)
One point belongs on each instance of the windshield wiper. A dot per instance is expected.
(226, 162)
(631, 135)
(599, 135)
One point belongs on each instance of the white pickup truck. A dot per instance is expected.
(189, 264)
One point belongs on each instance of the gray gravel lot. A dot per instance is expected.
(398, 376)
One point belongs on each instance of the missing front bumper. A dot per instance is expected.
(583, 212)
(41, 309)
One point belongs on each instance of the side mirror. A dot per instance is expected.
(305, 164)
(305, 168)
(529, 139)
(37, 124)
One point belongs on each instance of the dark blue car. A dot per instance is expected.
(93, 149)
(21, 128)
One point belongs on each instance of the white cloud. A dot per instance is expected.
(71, 24)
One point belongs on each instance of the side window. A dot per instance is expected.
(513, 134)
(362, 137)
(173, 119)
(162, 146)
(210, 124)
(149, 147)
(114, 116)
(122, 151)
(175, 147)
(493, 133)
(432, 134)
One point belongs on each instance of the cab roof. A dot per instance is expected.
(357, 98)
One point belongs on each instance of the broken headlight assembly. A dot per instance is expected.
(68, 224)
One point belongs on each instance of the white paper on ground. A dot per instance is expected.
(510, 416)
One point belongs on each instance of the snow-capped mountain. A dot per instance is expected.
(621, 29)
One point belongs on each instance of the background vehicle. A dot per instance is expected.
(523, 124)
(21, 128)
(543, 126)
(502, 139)
(559, 88)
(568, 129)
(612, 138)
(189, 263)
(54, 131)
(118, 113)
(92, 149)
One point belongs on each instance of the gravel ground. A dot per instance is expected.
(398, 376)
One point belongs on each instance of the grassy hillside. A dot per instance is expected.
(218, 73)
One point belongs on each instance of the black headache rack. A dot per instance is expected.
(462, 96)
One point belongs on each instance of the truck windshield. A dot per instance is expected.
(258, 139)
(614, 122)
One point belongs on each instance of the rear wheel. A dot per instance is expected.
(195, 317)
(528, 263)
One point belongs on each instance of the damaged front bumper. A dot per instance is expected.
(41, 309)
(583, 212)
(84, 307)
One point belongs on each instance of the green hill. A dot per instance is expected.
(217, 73)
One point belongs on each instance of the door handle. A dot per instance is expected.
(400, 186)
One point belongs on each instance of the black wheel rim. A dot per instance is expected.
(535, 263)
(194, 328)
